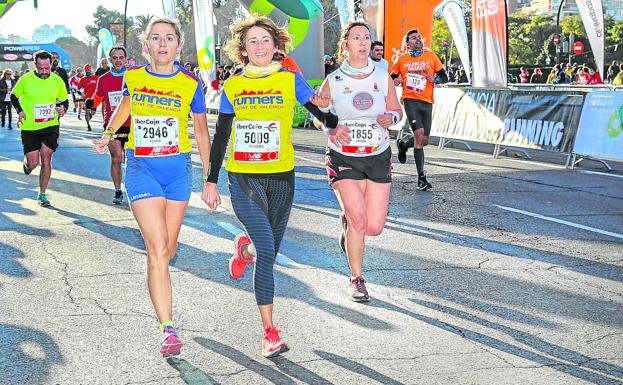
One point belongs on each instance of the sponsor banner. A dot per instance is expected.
(489, 43)
(600, 134)
(204, 37)
(592, 15)
(454, 15)
(404, 16)
(546, 120)
(346, 10)
(373, 12)
(24, 52)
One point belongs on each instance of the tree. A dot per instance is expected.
(142, 21)
(102, 17)
(79, 52)
(572, 24)
(530, 38)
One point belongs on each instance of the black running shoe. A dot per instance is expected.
(423, 184)
(402, 153)
(27, 170)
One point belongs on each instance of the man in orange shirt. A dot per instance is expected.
(416, 70)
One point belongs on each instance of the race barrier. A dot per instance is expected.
(544, 120)
(600, 133)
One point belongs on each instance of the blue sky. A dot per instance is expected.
(74, 14)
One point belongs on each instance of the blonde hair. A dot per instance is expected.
(163, 20)
(236, 46)
(341, 53)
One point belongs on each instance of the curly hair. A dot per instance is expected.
(341, 53)
(236, 46)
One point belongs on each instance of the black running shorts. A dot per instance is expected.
(419, 114)
(31, 140)
(122, 134)
(377, 168)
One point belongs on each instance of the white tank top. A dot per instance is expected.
(357, 102)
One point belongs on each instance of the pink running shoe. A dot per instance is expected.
(237, 264)
(171, 344)
(272, 344)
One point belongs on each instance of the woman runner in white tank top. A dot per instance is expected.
(358, 158)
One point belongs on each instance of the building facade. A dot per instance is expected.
(47, 34)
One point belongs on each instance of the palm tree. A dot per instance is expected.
(142, 21)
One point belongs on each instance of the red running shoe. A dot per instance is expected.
(272, 344)
(171, 344)
(237, 263)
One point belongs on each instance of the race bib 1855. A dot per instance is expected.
(366, 136)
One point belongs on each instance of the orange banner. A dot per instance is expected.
(403, 15)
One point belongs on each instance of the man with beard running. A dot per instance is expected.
(109, 91)
(416, 71)
(88, 84)
(40, 98)
(59, 70)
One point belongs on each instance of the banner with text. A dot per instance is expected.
(454, 15)
(346, 10)
(489, 43)
(545, 120)
(600, 134)
(592, 15)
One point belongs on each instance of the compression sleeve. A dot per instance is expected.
(327, 118)
(219, 145)
(15, 103)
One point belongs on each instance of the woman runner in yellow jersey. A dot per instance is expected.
(260, 161)
(159, 96)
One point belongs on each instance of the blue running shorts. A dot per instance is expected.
(167, 176)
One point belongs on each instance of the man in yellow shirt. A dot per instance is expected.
(40, 98)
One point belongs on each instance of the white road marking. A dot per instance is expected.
(281, 259)
(601, 173)
(567, 223)
(309, 160)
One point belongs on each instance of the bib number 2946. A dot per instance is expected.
(156, 136)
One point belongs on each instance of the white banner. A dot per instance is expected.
(346, 10)
(593, 18)
(204, 36)
(601, 126)
(454, 15)
(168, 7)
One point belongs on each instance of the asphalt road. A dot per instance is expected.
(507, 272)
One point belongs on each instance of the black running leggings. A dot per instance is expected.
(5, 108)
(262, 203)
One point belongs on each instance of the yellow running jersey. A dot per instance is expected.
(261, 140)
(160, 105)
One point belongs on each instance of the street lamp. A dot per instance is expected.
(125, 23)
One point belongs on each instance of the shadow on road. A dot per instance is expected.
(26, 355)
(562, 355)
(189, 373)
(266, 371)
(357, 367)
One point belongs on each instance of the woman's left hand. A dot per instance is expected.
(385, 120)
